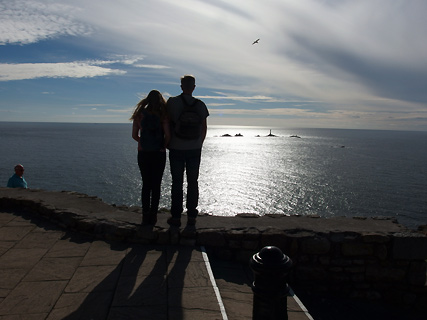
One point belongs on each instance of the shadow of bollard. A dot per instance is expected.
(270, 267)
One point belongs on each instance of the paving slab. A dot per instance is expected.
(82, 306)
(53, 269)
(32, 297)
(51, 273)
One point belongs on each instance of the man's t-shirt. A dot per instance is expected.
(175, 106)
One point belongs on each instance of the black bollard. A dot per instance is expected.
(270, 267)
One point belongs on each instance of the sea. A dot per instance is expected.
(323, 172)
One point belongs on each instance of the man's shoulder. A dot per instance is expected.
(173, 99)
(204, 109)
(202, 103)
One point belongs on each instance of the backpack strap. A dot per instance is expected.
(185, 102)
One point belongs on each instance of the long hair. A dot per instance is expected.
(154, 103)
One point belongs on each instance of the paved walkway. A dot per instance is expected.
(49, 273)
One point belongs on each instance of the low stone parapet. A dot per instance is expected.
(364, 258)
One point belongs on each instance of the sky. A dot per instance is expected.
(319, 63)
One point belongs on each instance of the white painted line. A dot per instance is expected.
(211, 276)
(301, 305)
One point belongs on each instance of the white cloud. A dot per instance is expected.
(150, 66)
(125, 110)
(233, 97)
(24, 22)
(342, 118)
(93, 105)
(22, 71)
(220, 104)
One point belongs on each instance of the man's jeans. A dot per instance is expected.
(188, 161)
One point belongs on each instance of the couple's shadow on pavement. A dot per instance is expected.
(148, 284)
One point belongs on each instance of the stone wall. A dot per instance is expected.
(388, 264)
(364, 266)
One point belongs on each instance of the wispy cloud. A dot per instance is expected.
(22, 71)
(327, 58)
(24, 22)
(151, 66)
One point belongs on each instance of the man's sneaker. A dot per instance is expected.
(191, 221)
(176, 222)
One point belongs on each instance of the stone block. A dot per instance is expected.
(146, 233)
(293, 247)
(163, 236)
(409, 298)
(381, 252)
(336, 269)
(244, 256)
(274, 237)
(386, 274)
(310, 274)
(325, 260)
(417, 274)
(357, 249)
(250, 245)
(315, 246)
(187, 242)
(125, 231)
(67, 218)
(373, 271)
(189, 232)
(251, 234)
(343, 236)
(224, 254)
(359, 278)
(375, 238)
(234, 235)
(410, 247)
(341, 262)
(366, 295)
(355, 269)
(85, 225)
(235, 244)
(361, 285)
(174, 236)
(212, 238)
(339, 278)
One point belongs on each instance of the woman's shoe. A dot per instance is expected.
(146, 218)
(153, 218)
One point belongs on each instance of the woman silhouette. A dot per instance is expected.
(151, 130)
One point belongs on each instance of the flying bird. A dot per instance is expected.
(256, 41)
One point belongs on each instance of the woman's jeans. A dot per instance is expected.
(188, 161)
(152, 165)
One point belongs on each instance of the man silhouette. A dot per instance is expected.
(185, 152)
